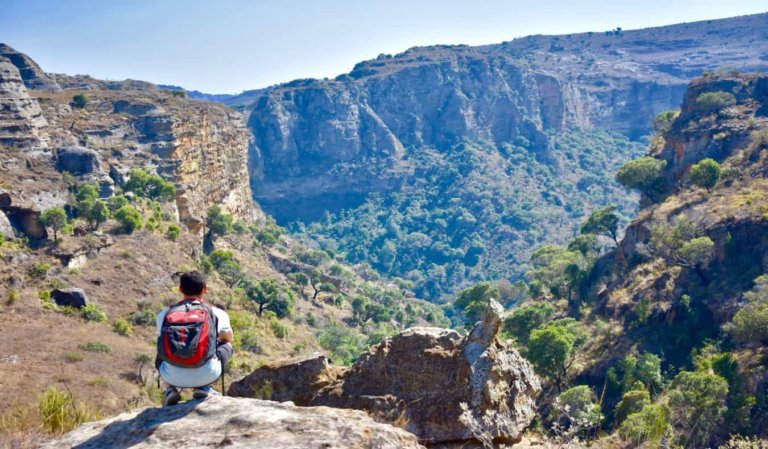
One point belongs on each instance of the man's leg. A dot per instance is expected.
(224, 353)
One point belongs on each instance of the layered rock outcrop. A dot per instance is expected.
(238, 423)
(327, 143)
(441, 386)
(33, 76)
(22, 124)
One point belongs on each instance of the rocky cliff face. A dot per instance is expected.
(238, 423)
(201, 147)
(316, 141)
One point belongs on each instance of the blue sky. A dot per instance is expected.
(231, 45)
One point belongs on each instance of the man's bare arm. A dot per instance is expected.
(226, 336)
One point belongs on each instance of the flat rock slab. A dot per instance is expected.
(237, 423)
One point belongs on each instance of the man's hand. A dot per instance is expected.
(226, 336)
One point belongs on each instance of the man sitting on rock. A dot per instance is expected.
(193, 343)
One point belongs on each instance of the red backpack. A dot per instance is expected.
(188, 334)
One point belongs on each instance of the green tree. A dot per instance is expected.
(269, 295)
(560, 270)
(218, 222)
(97, 214)
(681, 245)
(151, 186)
(526, 318)
(585, 244)
(603, 221)
(698, 404)
(80, 101)
(705, 174)
(115, 202)
(129, 218)
(55, 218)
(643, 174)
(473, 301)
(552, 348)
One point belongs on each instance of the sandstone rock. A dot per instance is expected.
(77, 160)
(26, 220)
(238, 423)
(31, 73)
(22, 124)
(6, 230)
(71, 297)
(442, 386)
(297, 381)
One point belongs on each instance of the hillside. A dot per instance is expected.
(148, 183)
(665, 335)
(326, 145)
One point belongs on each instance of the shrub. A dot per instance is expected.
(240, 228)
(343, 345)
(80, 101)
(13, 296)
(92, 312)
(148, 185)
(39, 270)
(173, 232)
(649, 425)
(96, 346)
(248, 339)
(98, 213)
(218, 222)
(123, 327)
(73, 356)
(145, 316)
(129, 218)
(711, 102)
(577, 406)
(279, 329)
(705, 174)
(633, 401)
(60, 412)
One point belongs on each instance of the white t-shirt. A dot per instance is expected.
(194, 377)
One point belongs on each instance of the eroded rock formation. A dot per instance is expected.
(22, 124)
(441, 386)
(238, 423)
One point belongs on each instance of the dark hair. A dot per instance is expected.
(192, 283)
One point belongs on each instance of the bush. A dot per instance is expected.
(711, 102)
(92, 312)
(13, 296)
(343, 345)
(217, 222)
(577, 406)
(553, 346)
(279, 329)
(123, 327)
(145, 316)
(633, 401)
(60, 412)
(129, 218)
(96, 346)
(150, 186)
(39, 270)
(80, 101)
(705, 174)
(248, 340)
(173, 232)
(649, 425)
(750, 324)
(73, 356)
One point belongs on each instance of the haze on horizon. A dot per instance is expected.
(240, 44)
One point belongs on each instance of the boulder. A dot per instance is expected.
(77, 160)
(6, 230)
(296, 380)
(26, 220)
(71, 297)
(440, 385)
(238, 423)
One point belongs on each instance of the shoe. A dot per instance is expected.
(204, 392)
(171, 396)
